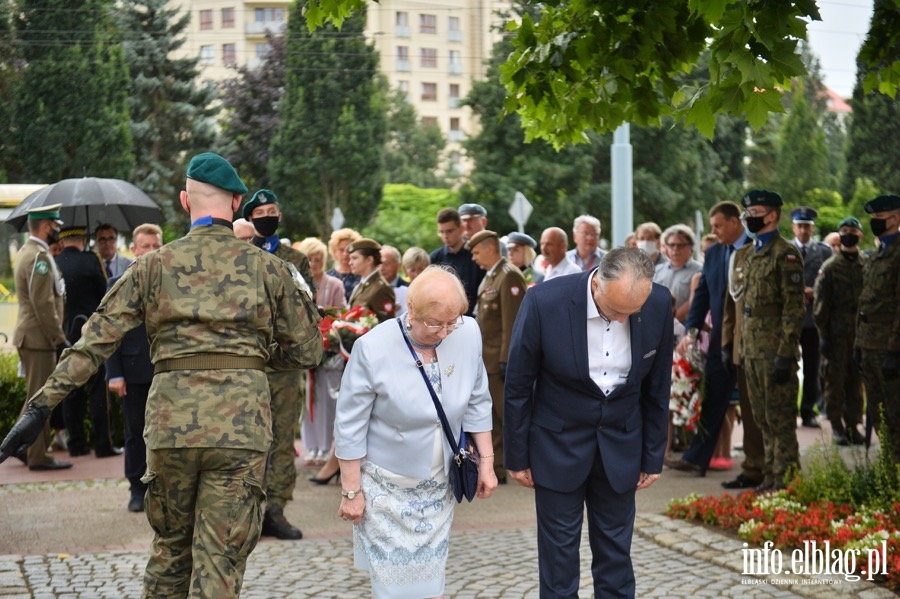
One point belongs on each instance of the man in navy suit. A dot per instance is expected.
(586, 411)
(129, 373)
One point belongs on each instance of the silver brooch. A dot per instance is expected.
(449, 370)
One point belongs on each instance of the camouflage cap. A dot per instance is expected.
(804, 215)
(364, 244)
(517, 238)
(211, 168)
(761, 197)
(263, 197)
(50, 212)
(469, 210)
(479, 237)
(883, 203)
(849, 221)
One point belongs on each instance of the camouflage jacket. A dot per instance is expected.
(836, 301)
(205, 294)
(300, 261)
(878, 325)
(774, 304)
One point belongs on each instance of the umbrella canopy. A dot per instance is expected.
(89, 202)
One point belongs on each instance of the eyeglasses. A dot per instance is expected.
(450, 326)
(677, 246)
(105, 239)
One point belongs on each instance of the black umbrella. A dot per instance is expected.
(89, 202)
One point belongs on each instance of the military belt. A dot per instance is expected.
(210, 362)
(876, 318)
(762, 311)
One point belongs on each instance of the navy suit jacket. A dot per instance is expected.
(555, 418)
(710, 294)
(132, 359)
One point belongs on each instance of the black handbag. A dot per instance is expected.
(464, 469)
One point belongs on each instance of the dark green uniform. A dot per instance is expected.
(774, 307)
(878, 332)
(377, 295)
(217, 310)
(835, 308)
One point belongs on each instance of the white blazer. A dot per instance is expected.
(385, 412)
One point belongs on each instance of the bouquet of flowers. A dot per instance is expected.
(687, 387)
(341, 328)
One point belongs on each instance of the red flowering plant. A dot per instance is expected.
(687, 389)
(341, 328)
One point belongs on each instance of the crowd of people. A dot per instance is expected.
(556, 362)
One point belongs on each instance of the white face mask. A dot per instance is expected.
(648, 247)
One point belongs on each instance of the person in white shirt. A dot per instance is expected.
(554, 242)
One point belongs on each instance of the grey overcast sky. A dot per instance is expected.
(836, 40)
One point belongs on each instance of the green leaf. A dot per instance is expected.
(710, 10)
(701, 116)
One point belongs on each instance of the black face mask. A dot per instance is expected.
(266, 225)
(52, 237)
(755, 223)
(848, 240)
(879, 226)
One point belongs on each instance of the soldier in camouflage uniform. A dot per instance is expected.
(217, 310)
(264, 213)
(835, 307)
(499, 296)
(774, 307)
(878, 324)
(373, 291)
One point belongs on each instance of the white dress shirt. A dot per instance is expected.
(609, 347)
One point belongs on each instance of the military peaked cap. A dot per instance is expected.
(479, 237)
(72, 232)
(364, 244)
(45, 213)
(849, 221)
(761, 197)
(883, 203)
(804, 215)
(521, 239)
(470, 210)
(211, 168)
(263, 197)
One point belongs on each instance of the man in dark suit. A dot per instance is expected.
(585, 421)
(129, 373)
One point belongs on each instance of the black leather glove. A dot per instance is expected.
(728, 359)
(25, 431)
(824, 348)
(890, 366)
(781, 372)
(856, 360)
(503, 370)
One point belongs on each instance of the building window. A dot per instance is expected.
(268, 15)
(401, 24)
(455, 64)
(455, 134)
(207, 55)
(453, 32)
(262, 50)
(229, 55)
(228, 18)
(403, 86)
(429, 92)
(427, 24)
(403, 64)
(453, 96)
(206, 20)
(429, 121)
(429, 58)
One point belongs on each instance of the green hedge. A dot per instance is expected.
(12, 391)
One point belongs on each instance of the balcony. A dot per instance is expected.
(454, 68)
(402, 66)
(401, 31)
(456, 135)
(260, 28)
(454, 36)
(453, 102)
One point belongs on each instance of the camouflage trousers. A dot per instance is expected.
(883, 396)
(775, 410)
(495, 385)
(286, 389)
(843, 386)
(205, 506)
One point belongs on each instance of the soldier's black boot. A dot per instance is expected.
(276, 525)
(839, 434)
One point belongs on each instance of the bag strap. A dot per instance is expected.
(437, 404)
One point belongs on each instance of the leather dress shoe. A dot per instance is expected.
(685, 466)
(854, 437)
(501, 480)
(22, 455)
(839, 438)
(741, 482)
(53, 465)
(108, 453)
(276, 525)
(79, 451)
(136, 503)
(810, 422)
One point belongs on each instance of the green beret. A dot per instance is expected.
(883, 203)
(363, 244)
(263, 197)
(479, 237)
(761, 197)
(72, 232)
(213, 169)
(849, 221)
(45, 213)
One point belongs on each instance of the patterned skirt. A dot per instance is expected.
(404, 535)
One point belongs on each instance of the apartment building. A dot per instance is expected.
(432, 50)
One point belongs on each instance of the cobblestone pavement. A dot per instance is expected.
(672, 559)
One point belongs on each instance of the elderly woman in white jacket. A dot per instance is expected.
(393, 453)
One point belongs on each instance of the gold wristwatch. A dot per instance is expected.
(351, 494)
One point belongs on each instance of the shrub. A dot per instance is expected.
(12, 390)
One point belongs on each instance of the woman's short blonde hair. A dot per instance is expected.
(341, 235)
(430, 290)
(312, 246)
